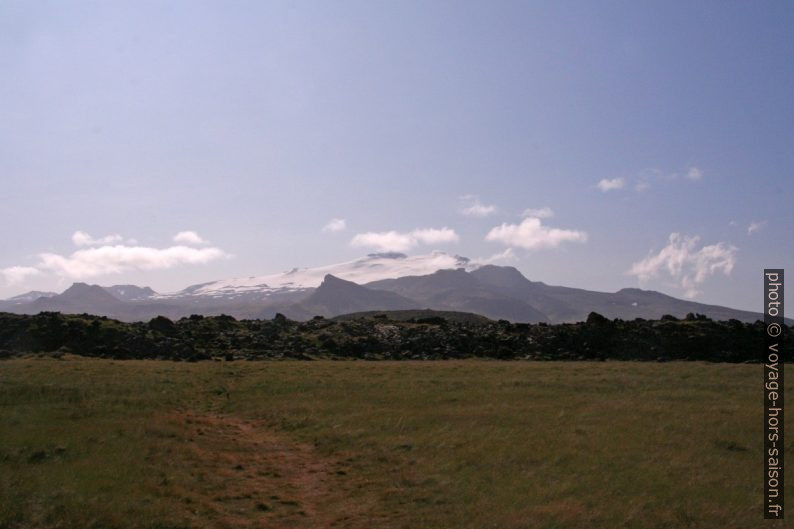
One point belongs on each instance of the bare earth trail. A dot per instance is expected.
(244, 474)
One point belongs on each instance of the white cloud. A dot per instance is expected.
(685, 264)
(116, 259)
(113, 258)
(17, 274)
(540, 213)
(474, 208)
(532, 234)
(694, 173)
(393, 241)
(479, 210)
(508, 255)
(81, 238)
(384, 241)
(334, 225)
(435, 236)
(189, 237)
(649, 177)
(755, 226)
(611, 184)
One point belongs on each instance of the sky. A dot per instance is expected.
(599, 145)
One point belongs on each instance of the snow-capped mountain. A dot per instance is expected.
(32, 296)
(386, 281)
(373, 267)
(24, 299)
(130, 292)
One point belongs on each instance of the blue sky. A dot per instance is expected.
(254, 124)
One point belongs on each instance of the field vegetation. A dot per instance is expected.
(97, 443)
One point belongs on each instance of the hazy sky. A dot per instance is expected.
(651, 144)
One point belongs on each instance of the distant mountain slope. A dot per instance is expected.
(130, 292)
(458, 290)
(298, 282)
(24, 299)
(80, 298)
(565, 304)
(336, 296)
(32, 296)
(435, 281)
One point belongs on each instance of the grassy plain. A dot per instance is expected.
(90, 443)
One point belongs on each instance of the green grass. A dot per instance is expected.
(464, 444)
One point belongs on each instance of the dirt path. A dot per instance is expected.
(244, 474)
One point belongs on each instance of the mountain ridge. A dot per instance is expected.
(496, 292)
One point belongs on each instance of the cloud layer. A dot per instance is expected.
(472, 207)
(694, 173)
(334, 225)
(394, 241)
(531, 234)
(755, 226)
(189, 237)
(17, 274)
(642, 181)
(539, 213)
(81, 238)
(101, 258)
(685, 264)
(104, 260)
(610, 184)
